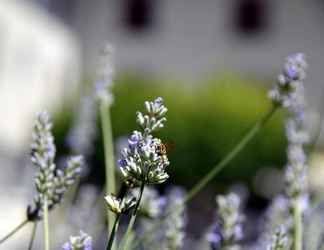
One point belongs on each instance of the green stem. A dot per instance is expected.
(31, 242)
(230, 156)
(109, 156)
(15, 230)
(113, 233)
(220, 166)
(46, 226)
(298, 226)
(125, 240)
(139, 198)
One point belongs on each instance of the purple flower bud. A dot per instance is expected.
(158, 102)
(122, 163)
(134, 140)
(292, 72)
(215, 237)
(67, 246)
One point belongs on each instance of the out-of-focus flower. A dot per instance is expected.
(175, 224)
(289, 93)
(227, 230)
(105, 74)
(51, 183)
(66, 177)
(80, 242)
(81, 136)
(215, 237)
(277, 214)
(289, 90)
(150, 204)
(279, 240)
(143, 160)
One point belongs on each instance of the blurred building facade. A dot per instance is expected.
(38, 57)
(184, 39)
(189, 38)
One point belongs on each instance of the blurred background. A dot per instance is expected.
(211, 60)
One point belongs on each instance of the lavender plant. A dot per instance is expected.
(80, 242)
(289, 93)
(103, 86)
(151, 209)
(51, 182)
(143, 162)
(175, 225)
(279, 240)
(227, 230)
(81, 136)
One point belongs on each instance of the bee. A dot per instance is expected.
(163, 148)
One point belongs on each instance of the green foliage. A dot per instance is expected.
(204, 121)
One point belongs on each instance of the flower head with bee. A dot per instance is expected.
(145, 159)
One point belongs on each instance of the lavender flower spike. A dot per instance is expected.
(143, 160)
(42, 156)
(51, 183)
(175, 225)
(227, 230)
(105, 74)
(279, 240)
(288, 92)
(81, 242)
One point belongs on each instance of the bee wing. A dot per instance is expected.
(170, 145)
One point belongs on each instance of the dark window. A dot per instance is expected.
(251, 16)
(138, 14)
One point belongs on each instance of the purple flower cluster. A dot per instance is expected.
(289, 90)
(227, 230)
(142, 160)
(279, 240)
(297, 135)
(51, 183)
(81, 242)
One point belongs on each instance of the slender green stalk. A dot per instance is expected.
(125, 240)
(113, 232)
(46, 226)
(109, 156)
(298, 227)
(218, 167)
(32, 238)
(230, 156)
(15, 230)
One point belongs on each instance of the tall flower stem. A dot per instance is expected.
(298, 227)
(230, 156)
(220, 166)
(15, 230)
(32, 238)
(125, 240)
(109, 156)
(113, 233)
(46, 226)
